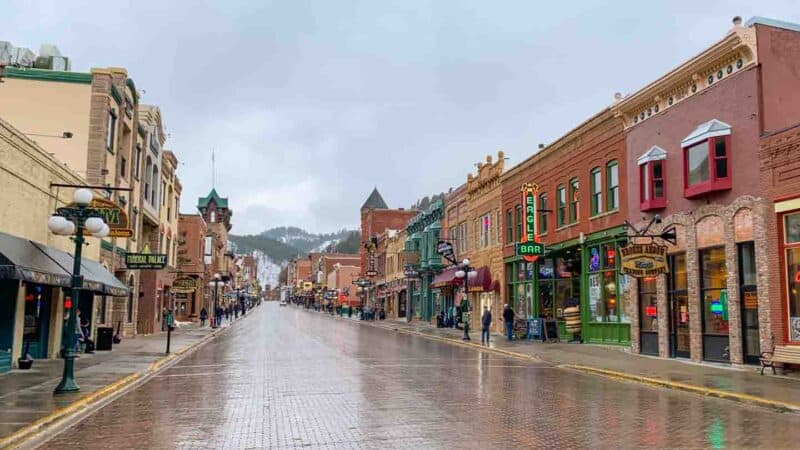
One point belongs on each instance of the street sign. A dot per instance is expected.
(530, 249)
(445, 250)
(137, 261)
(644, 260)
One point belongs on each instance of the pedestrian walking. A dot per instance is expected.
(218, 316)
(203, 317)
(236, 311)
(508, 317)
(486, 322)
(228, 313)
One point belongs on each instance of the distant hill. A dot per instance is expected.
(284, 243)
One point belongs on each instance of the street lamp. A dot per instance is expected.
(78, 220)
(466, 272)
(215, 285)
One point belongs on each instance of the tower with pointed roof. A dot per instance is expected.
(376, 217)
(374, 201)
(214, 209)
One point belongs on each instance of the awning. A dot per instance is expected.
(95, 277)
(21, 260)
(447, 277)
(482, 281)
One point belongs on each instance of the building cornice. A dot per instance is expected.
(48, 75)
(734, 53)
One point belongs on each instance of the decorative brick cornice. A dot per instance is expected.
(734, 53)
(488, 177)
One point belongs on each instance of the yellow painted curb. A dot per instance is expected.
(658, 382)
(17, 437)
(709, 392)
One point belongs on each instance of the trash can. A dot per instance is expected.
(105, 338)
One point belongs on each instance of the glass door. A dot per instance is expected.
(751, 346)
(648, 316)
(679, 307)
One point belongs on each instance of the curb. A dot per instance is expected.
(21, 437)
(616, 375)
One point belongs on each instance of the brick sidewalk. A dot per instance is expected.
(705, 377)
(27, 395)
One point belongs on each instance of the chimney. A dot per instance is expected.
(617, 96)
(541, 146)
(737, 21)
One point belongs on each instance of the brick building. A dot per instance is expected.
(455, 230)
(396, 304)
(580, 208)
(693, 137)
(190, 263)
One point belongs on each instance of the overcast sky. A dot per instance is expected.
(309, 104)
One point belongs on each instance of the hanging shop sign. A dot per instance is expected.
(145, 260)
(531, 247)
(410, 271)
(445, 250)
(113, 215)
(371, 265)
(184, 285)
(644, 260)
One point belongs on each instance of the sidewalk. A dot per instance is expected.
(743, 385)
(26, 396)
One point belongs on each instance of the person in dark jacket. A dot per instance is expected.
(203, 317)
(486, 322)
(508, 318)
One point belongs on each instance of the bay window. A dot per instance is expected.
(652, 192)
(705, 159)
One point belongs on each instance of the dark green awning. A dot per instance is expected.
(21, 260)
(95, 277)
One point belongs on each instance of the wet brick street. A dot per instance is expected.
(288, 378)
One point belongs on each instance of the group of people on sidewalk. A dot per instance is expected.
(231, 312)
(486, 323)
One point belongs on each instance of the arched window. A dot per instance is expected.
(148, 170)
(596, 179)
(154, 187)
(574, 200)
(612, 183)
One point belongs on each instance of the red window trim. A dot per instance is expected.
(714, 183)
(653, 203)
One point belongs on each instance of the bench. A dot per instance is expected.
(786, 354)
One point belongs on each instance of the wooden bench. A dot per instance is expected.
(786, 354)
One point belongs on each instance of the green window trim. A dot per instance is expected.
(612, 190)
(116, 94)
(596, 191)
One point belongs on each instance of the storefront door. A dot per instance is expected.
(648, 317)
(36, 332)
(751, 348)
(679, 307)
(714, 301)
(401, 304)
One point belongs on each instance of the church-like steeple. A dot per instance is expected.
(214, 208)
(374, 201)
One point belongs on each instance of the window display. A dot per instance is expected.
(713, 288)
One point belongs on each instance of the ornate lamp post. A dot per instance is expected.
(466, 273)
(215, 284)
(78, 220)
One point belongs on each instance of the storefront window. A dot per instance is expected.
(679, 305)
(713, 288)
(604, 289)
(791, 225)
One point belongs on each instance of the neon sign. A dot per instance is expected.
(531, 246)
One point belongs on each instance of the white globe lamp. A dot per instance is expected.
(95, 225)
(83, 196)
(104, 230)
(56, 224)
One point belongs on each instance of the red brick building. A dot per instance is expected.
(693, 138)
(192, 232)
(581, 205)
(376, 217)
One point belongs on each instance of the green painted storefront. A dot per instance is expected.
(424, 232)
(584, 273)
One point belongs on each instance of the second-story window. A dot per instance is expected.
(574, 201)
(122, 167)
(518, 221)
(542, 213)
(612, 183)
(486, 230)
(652, 192)
(596, 178)
(705, 159)
(112, 130)
(561, 213)
(509, 226)
(137, 162)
